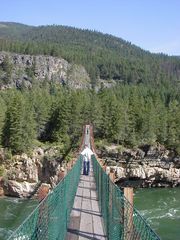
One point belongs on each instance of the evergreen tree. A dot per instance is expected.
(41, 101)
(76, 120)
(19, 126)
(7, 68)
(59, 123)
(2, 117)
(173, 124)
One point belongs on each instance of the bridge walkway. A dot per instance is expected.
(86, 219)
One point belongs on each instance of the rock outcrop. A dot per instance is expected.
(24, 69)
(25, 174)
(18, 189)
(147, 166)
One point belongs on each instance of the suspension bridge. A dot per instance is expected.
(85, 207)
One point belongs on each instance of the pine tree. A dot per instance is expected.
(59, 123)
(2, 117)
(7, 68)
(41, 101)
(76, 119)
(173, 124)
(19, 127)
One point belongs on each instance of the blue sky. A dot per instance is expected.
(151, 24)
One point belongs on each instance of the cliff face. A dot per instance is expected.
(23, 174)
(149, 166)
(21, 70)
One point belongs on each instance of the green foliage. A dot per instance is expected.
(19, 125)
(104, 56)
(134, 115)
(143, 108)
(2, 170)
(125, 115)
(173, 124)
(8, 154)
(100, 143)
(6, 66)
(178, 149)
(2, 117)
(41, 102)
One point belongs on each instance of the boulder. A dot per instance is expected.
(136, 173)
(176, 162)
(38, 152)
(150, 172)
(19, 189)
(120, 172)
(110, 162)
(24, 170)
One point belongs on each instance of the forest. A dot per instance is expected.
(143, 107)
(104, 56)
(127, 115)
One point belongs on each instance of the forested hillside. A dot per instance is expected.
(127, 115)
(143, 108)
(104, 56)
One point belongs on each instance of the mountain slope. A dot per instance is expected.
(12, 30)
(104, 56)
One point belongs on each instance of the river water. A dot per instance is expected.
(160, 207)
(12, 213)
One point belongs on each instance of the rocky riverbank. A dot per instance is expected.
(146, 166)
(22, 175)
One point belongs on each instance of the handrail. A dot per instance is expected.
(121, 220)
(50, 218)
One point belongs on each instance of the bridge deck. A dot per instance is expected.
(86, 221)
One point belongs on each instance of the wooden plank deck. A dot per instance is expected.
(86, 220)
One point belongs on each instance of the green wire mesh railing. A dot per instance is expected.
(121, 220)
(50, 219)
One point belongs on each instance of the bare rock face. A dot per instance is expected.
(24, 170)
(24, 174)
(137, 172)
(27, 68)
(152, 165)
(121, 172)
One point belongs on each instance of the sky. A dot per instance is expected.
(153, 25)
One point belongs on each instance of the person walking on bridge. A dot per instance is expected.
(86, 153)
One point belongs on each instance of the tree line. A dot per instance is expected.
(104, 56)
(127, 115)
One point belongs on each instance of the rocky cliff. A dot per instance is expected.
(23, 174)
(147, 166)
(22, 70)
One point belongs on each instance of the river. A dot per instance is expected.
(160, 207)
(12, 213)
